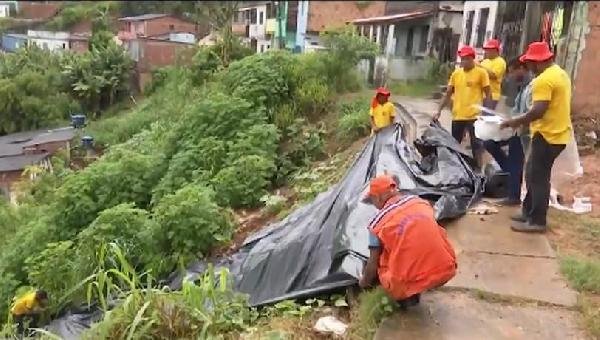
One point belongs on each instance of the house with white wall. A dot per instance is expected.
(479, 20)
(408, 39)
(251, 24)
(8, 7)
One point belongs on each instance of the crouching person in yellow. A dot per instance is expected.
(382, 111)
(27, 309)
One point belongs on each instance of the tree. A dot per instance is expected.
(220, 15)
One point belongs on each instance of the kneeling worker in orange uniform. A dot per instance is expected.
(409, 251)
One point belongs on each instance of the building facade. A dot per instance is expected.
(410, 36)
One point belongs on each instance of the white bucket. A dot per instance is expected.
(488, 128)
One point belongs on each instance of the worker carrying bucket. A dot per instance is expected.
(408, 250)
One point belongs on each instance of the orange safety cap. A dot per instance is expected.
(466, 51)
(538, 51)
(492, 44)
(381, 184)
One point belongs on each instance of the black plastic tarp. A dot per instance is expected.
(322, 246)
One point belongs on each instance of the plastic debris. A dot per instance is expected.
(330, 324)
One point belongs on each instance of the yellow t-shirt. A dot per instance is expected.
(553, 85)
(468, 91)
(383, 115)
(25, 305)
(498, 66)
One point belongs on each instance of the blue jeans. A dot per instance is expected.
(511, 163)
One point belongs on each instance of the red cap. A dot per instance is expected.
(381, 184)
(382, 91)
(466, 51)
(522, 59)
(538, 51)
(492, 44)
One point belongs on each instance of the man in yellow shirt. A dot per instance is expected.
(495, 66)
(550, 127)
(382, 111)
(26, 309)
(468, 86)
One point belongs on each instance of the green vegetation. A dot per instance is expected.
(577, 239)
(74, 12)
(39, 89)
(163, 191)
(373, 307)
(414, 88)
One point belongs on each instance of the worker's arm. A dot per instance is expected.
(487, 100)
(445, 100)
(536, 112)
(370, 270)
(490, 72)
(541, 92)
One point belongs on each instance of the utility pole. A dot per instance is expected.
(280, 17)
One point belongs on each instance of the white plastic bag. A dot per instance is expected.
(567, 166)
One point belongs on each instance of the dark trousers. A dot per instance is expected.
(511, 163)
(537, 178)
(459, 128)
(24, 322)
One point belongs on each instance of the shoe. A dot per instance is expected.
(409, 302)
(528, 227)
(519, 218)
(507, 202)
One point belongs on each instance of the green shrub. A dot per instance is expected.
(244, 182)
(190, 222)
(123, 224)
(262, 79)
(55, 269)
(121, 176)
(204, 64)
(583, 274)
(354, 121)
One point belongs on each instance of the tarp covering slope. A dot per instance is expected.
(322, 246)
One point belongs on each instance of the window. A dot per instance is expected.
(409, 41)
(270, 11)
(481, 28)
(469, 28)
(64, 46)
(171, 27)
(261, 18)
(262, 48)
(253, 16)
(423, 38)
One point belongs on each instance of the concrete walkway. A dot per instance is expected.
(508, 284)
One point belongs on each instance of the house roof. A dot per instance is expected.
(143, 17)
(16, 35)
(12, 145)
(20, 162)
(57, 135)
(394, 17)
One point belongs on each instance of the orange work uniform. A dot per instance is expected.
(415, 252)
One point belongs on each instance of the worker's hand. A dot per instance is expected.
(437, 116)
(511, 123)
(362, 283)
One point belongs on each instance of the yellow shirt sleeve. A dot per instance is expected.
(371, 112)
(391, 109)
(541, 90)
(485, 79)
(498, 66)
(452, 80)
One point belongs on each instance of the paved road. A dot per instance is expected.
(520, 268)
